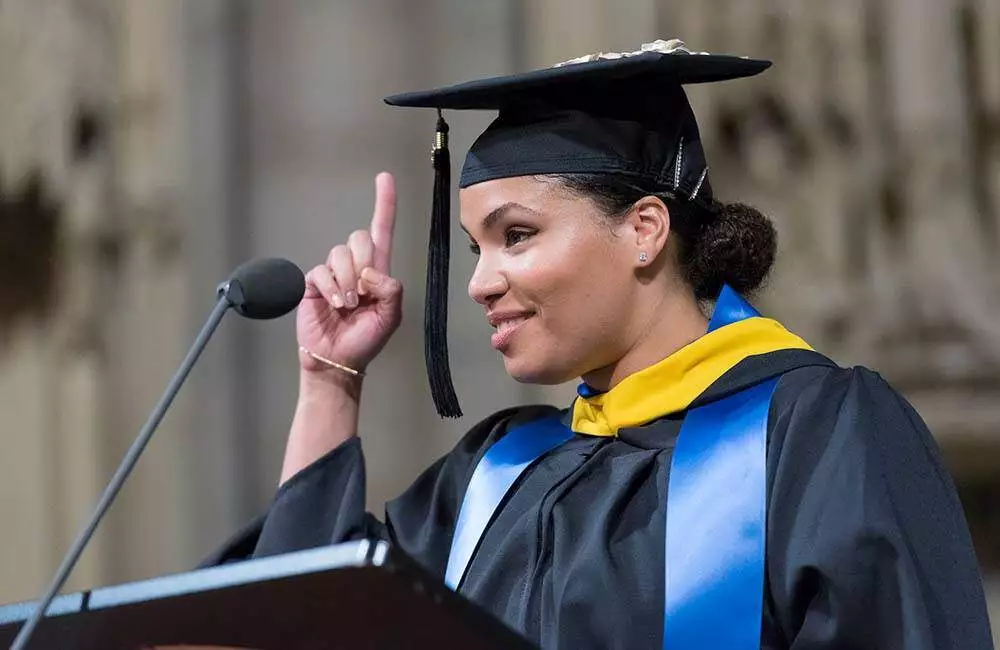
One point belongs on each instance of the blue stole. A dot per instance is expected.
(493, 477)
(716, 510)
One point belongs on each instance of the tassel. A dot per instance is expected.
(438, 255)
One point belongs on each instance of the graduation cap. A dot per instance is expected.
(607, 113)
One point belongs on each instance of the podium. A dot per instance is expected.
(363, 594)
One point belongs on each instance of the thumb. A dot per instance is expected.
(381, 287)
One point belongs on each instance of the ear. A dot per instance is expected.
(648, 226)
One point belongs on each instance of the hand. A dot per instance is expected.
(351, 304)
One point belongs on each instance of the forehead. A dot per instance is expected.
(534, 193)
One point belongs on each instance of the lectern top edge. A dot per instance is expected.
(349, 554)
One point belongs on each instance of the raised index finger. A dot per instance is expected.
(383, 221)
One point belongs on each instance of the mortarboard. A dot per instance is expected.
(612, 113)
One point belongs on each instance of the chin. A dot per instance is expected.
(528, 369)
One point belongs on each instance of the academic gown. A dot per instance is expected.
(866, 542)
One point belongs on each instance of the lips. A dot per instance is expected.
(507, 325)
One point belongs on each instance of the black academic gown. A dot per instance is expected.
(867, 546)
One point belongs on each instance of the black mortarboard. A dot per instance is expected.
(622, 114)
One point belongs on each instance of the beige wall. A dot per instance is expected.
(249, 128)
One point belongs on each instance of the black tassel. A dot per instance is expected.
(438, 256)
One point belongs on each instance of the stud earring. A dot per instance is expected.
(643, 257)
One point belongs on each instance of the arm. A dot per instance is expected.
(322, 504)
(867, 543)
(326, 417)
(350, 309)
(321, 496)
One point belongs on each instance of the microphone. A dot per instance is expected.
(266, 288)
(260, 289)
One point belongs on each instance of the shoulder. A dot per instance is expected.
(456, 465)
(828, 412)
(462, 458)
(859, 496)
(494, 426)
(827, 377)
(837, 392)
(441, 487)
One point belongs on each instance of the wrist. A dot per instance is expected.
(317, 362)
(326, 416)
(328, 385)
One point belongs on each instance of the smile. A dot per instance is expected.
(507, 326)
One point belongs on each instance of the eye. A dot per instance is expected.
(514, 236)
(474, 247)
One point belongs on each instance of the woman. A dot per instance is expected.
(636, 517)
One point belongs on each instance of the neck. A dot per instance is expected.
(675, 322)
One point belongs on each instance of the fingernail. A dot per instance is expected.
(362, 287)
(371, 276)
(351, 298)
(337, 301)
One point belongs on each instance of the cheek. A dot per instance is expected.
(575, 281)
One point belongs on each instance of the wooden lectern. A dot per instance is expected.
(354, 595)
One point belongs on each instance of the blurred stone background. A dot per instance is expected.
(148, 146)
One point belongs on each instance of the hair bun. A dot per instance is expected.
(737, 248)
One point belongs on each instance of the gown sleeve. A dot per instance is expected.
(324, 503)
(867, 543)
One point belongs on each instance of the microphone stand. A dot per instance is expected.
(125, 468)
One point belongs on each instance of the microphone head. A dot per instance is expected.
(264, 288)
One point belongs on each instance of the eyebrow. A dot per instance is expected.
(496, 214)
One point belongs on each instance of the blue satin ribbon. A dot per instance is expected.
(714, 573)
(716, 515)
(493, 477)
(730, 308)
(715, 531)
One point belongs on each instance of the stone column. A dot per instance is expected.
(149, 319)
(55, 114)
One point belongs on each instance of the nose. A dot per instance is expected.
(487, 282)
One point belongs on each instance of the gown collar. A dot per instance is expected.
(735, 332)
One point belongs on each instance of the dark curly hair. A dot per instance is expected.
(724, 243)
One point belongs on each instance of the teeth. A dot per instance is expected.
(507, 324)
